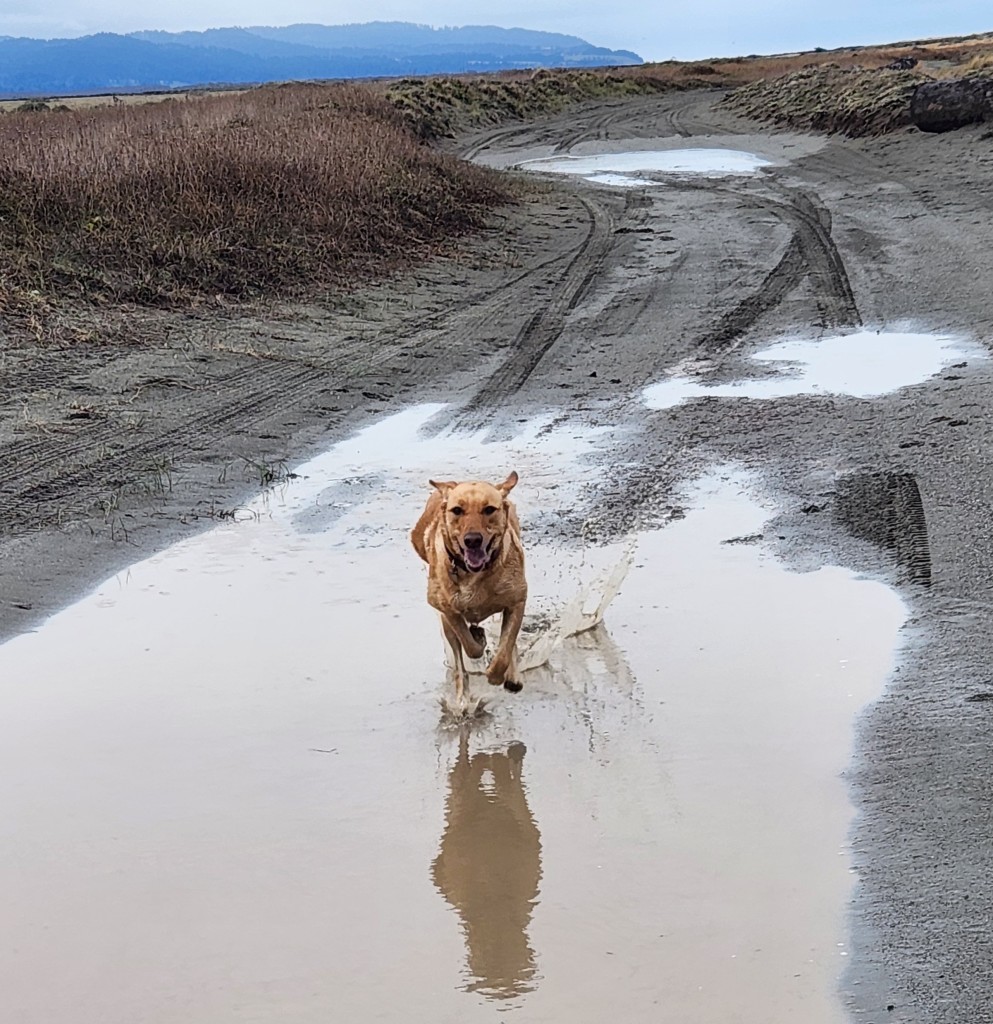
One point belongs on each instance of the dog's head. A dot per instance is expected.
(475, 519)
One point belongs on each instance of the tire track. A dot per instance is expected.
(558, 131)
(813, 223)
(671, 119)
(597, 130)
(811, 252)
(473, 149)
(37, 497)
(686, 114)
(33, 456)
(483, 301)
(543, 327)
(809, 255)
(886, 509)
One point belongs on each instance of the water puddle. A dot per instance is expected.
(860, 365)
(625, 168)
(227, 795)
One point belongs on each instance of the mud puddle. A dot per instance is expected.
(626, 168)
(228, 796)
(864, 364)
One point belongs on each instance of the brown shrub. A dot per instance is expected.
(273, 191)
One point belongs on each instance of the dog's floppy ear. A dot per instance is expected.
(442, 485)
(508, 485)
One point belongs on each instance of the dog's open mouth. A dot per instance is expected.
(476, 559)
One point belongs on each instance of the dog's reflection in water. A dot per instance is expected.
(489, 866)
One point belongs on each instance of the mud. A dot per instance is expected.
(575, 303)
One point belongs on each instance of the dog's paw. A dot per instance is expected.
(513, 685)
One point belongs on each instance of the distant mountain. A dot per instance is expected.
(151, 60)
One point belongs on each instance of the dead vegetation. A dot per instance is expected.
(978, 67)
(279, 191)
(858, 92)
(440, 107)
(852, 101)
(865, 91)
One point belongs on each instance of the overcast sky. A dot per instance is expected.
(657, 29)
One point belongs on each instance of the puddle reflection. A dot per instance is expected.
(489, 865)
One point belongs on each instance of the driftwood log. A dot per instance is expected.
(945, 106)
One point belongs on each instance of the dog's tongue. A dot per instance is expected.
(475, 558)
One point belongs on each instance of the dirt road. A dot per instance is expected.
(584, 296)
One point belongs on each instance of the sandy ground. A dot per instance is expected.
(572, 303)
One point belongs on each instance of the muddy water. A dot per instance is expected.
(228, 796)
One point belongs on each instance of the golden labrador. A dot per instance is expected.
(470, 537)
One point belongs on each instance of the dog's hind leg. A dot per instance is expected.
(455, 646)
(472, 638)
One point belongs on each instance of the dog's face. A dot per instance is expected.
(475, 519)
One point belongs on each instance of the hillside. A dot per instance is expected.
(154, 60)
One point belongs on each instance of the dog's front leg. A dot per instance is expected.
(503, 668)
(455, 646)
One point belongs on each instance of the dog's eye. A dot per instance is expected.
(489, 510)
(456, 511)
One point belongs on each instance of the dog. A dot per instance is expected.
(470, 537)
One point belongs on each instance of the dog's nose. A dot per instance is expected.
(473, 540)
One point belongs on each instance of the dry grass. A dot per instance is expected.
(115, 99)
(978, 67)
(854, 92)
(277, 191)
(829, 99)
(440, 107)
(933, 56)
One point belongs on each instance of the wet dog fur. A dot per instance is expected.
(470, 537)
